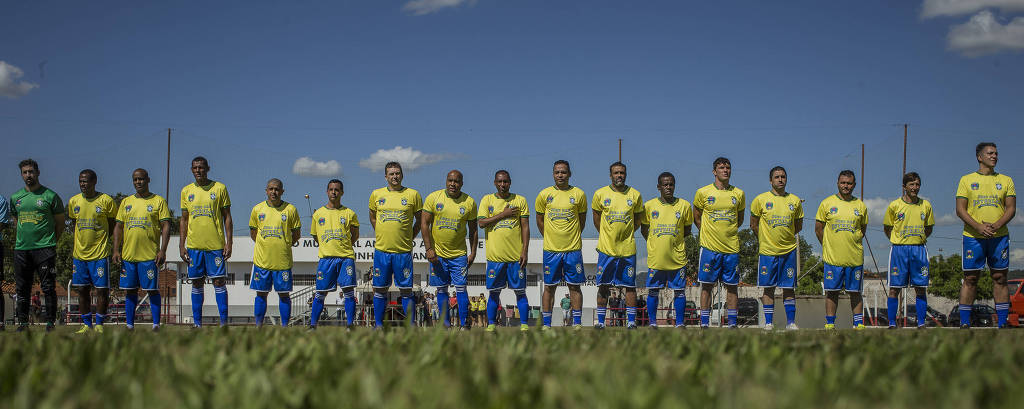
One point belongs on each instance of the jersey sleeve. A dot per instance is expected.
(595, 203)
(111, 209)
(863, 214)
(71, 205)
(253, 218)
(539, 203)
(961, 188)
(799, 209)
(929, 217)
(294, 222)
(225, 199)
(741, 202)
(687, 213)
(184, 199)
(1010, 191)
(822, 215)
(755, 207)
(890, 214)
(472, 211)
(429, 203)
(354, 220)
(647, 218)
(163, 213)
(581, 202)
(417, 202)
(121, 213)
(698, 199)
(58, 204)
(524, 207)
(638, 204)
(313, 224)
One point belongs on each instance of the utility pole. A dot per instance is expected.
(620, 149)
(167, 185)
(904, 157)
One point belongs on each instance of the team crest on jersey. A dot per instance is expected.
(150, 273)
(769, 205)
(856, 212)
(462, 210)
(284, 217)
(900, 216)
(572, 200)
(733, 199)
(1004, 254)
(99, 210)
(999, 186)
(77, 209)
(629, 202)
(833, 210)
(678, 215)
(791, 207)
(321, 221)
(348, 270)
(217, 261)
(129, 208)
(970, 254)
(99, 271)
(191, 197)
(764, 270)
(213, 196)
(39, 202)
(711, 200)
(262, 216)
(551, 198)
(924, 271)
(17, 203)
(975, 186)
(342, 220)
(654, 214)
(490, 273)
(439, 206)
(922, 216)
(380, 202)
(404, 202)
(406, 272)
(149, 208)
(607, 202)
(789, 272)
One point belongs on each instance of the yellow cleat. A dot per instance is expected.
(860, 327)
(98, 329)
(524, 328)
(830, 327)
(545, 328)
(491, 328)
(577, 327)
(83, 330)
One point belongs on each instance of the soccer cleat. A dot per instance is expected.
(311, 328)
(50, 327)
(130, 328)
(681, 327)
(769, 327)
(3, 328)
(891, 327)
(733, 326)
(965, 326)
(921, 327)
(653, 327)
(792, 327)
(22, 328)
(464, 328)
(599, 326)
(98, 329)
(83, 330)
(577, 327)
(860, 327)
(830, 327)
(524, 327)
(491, 328)
(544, 328)
(350, 328)
(156, 328)
(196, 327)
(702, 326)
(631, 325)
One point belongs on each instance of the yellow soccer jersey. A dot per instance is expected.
(205, 206)
(666, 247)
(504, 238)
(615, 238)
(274, 226)
(721, 209)
(776, 229)
(908, 221)
(396, 213)
(140, 222)
(561, 211)
(450, 217)
(92, 225)
(841, 244)
(986, 199)
(332, 229)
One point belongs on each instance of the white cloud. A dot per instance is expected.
(1017, 256)
(421, 7)
(10, 87)
(947, 219)
(876, 208)
(983, 35)
(306, 166)
(409, 158)
(935, 8)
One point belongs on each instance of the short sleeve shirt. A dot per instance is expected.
(504, 239)
(34, 211)
(205, 206)
(333, 231)
(986, 199)
(140, 220)
(776, 231)
(274, 226)
(908, 221)
(448, 228)
(92, 225)
(561, 210)
(844, 220)
(720, 213)
(396, 212)
(617, 209)
(666, 245)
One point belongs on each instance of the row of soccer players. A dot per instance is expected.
(985, 201)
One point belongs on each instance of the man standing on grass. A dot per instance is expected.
(5, 214)
(395, 217)
(92, 219)
(205, 242)
(140, 245)
(505, 218)
(334, 228)
(274, 227)
(448, 215)
(718, 213)
(40, 217)
(561, 214)
(776, 217)
(617, 210)
(908, 223)
(986, 202)
(666, 224)
(840, 224)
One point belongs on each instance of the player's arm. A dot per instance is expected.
(637, 216)
(739, 218)
(252, 234)
(524, 234)
(373, 219)
(961, 212)
(228, 231)
(597, 219)
(296, 234)
(58, 225)
(887, 229)
(510, 211)
(1010, 206)
(644, 230)
(928, 231)
(416, 226)
(583, 222)
(425, 221)
(165, 237)
(118, 232)
(353, 233)
(474, 242)
(540, 223)
(755, 223)
(182, 235)
(798, 225)
(697, 213)
(819, 231)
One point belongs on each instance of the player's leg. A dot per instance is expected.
(631, 308)
(655, 282)
(261, 283)
(768, 307)
(707, 275)
(603, 279)
(833, 283)
(283, 287)
(787, 282)
(897, 281)
(998, 264)
(831, 303)
(973, 262)
(383, 271)
(402, 267)
(497, 279)
(731, 279)
(82, 283)
(197, 275)
(349, 300)
(217, 271)
(517, 282)
(625, 277)
(47, 271)
(327, 270)
(547, 304)
(853, 286)
(603, 292)
(437, 279)
(100, 281)
(574, 278)
(347, 282)
(24, 267)
(553, 263)
(767, 279)
(919, 279)
(576, 303)
(789, 304)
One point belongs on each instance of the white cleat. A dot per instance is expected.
(792, 327)
(769, 327)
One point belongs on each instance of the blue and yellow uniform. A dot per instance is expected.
(616, 247)
(563, 258)
(841, 245)
(908, 257)
(666, 247)
(392, 251)
(504, 241)
(140, 220)
(206, 206)
(92, 216)
(272, 257)
(333, 231)
(719, 240)
(776, 238)
(986, 203)
(448, 230)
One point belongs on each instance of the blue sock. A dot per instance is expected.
(97, 319)
(769, 313)
(221, 294)
(380, 305)
(492, 306)
(462, 298)
(259, 308)
(285, 308)
(921, 305)
(577, 317)
(679, 302)
(316, 309)
(131, 301)
(86, 319)
(197, 306)
(546, 318)
(965, 314)
(652, 308)
(524, 307)
(350, 306)
(830, 319)
(894, 304)
(631, 315)
(705, 318)
(154, 308)
(1002, 311)
(731, 316)
(442, 308)
(858, 319)
(601, 313)
(790, 306)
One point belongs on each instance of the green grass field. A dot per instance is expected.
(430, 368)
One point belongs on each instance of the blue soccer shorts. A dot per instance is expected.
(777, 271)
(139, 274)
(715, 266)
(674, 279)
(908, 263)
(392, 266)
(995, 252)
(843, 278)
(448, 271)
(505, 274)
(334, 272)
(617, 271)
(206, 263)
(263, 280)
(564, 266)
(92, 273)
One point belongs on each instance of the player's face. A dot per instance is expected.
(199, 170)
(140, 181)
(453, 183)
(779, 180)
(846, 185)
(274, 191)
(394, 177)
(502, 183)
(667, 187)
(723, 172)
(561, 174)
(30, 175)
(618, 175)
(912, 188)
(334, 192)
(988, 156)
(86, 184)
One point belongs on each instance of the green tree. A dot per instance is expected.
(946, 274)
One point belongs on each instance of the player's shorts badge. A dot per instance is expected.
(348, 270)
(629, 271)
(319, 275)
(828, 275)
(579, 268)
(707, 268)
(789, 272)
(521, 274)
(895, 271)
(490, 273)
(856, 276)
(376, 272)
(217, 261)
(124, 273)
(924, 271)
(99, 271)
(405, 272)
(150, 273)
(764, 270)
(970, 254)
(284, 276)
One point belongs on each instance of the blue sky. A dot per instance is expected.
(488, 84)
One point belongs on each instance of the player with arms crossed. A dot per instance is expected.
(666, 224)
(908, 223)
(334, 228)
(840, 224)
(205, 242)
(718, 213)
(776, 217)
(618, 210)
(986, 201)
(40, 217)
(92, 219)
(505, 218)
(140, 245)
(395, 217)
(274, 227)
(561, 214)
(446, 215)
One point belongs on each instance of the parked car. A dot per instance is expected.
(692, 316)
(1016, 287)
(981, 316)
(747, 312)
